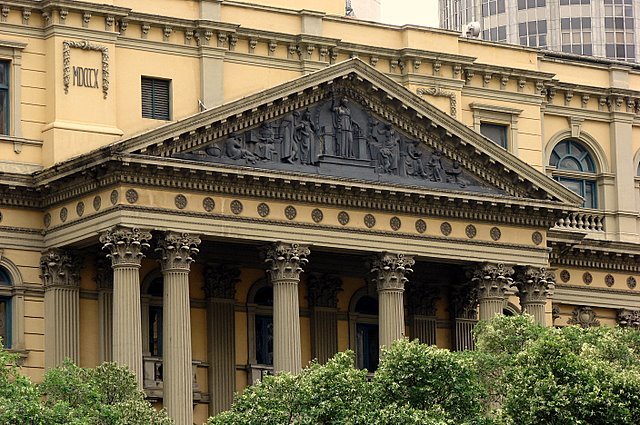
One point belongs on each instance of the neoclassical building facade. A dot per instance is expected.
(207, 191)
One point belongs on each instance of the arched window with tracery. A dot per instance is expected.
(576, 170)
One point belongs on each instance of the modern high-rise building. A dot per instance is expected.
(605, 28)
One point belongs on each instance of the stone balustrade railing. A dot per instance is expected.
(591, 222)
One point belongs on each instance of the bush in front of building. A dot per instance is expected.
(105, 395)
(520, 373)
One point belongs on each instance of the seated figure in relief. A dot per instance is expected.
(266, 149)
(413, 159)
(234, 150)
(388, 149)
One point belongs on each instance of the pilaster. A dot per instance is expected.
(390, 275)
(422, 300)
(463, 305)
(104, 282)
(492, 281)
(284, 265)
(60, 273)
(125, 248)
(323, 300)
(219, 287)
(176, 252)
(534, 285)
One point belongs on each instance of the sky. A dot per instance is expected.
(420, 12)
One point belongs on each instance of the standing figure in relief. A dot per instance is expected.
(413, 159)
(306, 138)
(289, 147)
(343, 128)
(435, 166)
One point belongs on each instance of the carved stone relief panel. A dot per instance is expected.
(339, 137)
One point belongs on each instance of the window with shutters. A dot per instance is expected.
(156, 98)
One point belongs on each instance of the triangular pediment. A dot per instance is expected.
(348, 121)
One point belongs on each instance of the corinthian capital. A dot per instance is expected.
(534, 284)
(59, 268)
(492, 280)
(285, 260)
(177, 250)
(125, 245)
(390, 270)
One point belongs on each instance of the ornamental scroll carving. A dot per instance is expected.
(389, 271)
(584, 317)
(220, 281)
(60, 268)
(67, 45)
(125, 245)
(629, 318)
(177, 250)
(341, 137)
(492, 280)
(534, 284)
(439, 92)
(323, 290)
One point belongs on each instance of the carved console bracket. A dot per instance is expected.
(439, 92)
(84, 45)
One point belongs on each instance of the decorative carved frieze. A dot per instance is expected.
(220, 281)
(492, 280)
(439, 92)
(60, 268)
(323, 290)
(285, 260)
(177, 250)
(389, 271)
(125, 245)
(339, 136)
(422, 298)
(584, 317)
(629, 318)
(534, 284)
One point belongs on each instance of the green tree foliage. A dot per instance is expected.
(105, 395)
(519, 374)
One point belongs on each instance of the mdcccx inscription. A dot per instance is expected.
(85, 77)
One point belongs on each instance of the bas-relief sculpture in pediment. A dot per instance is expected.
(339, 138)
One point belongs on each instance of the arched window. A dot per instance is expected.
(365, 331)
(575, 169)
(5, 309)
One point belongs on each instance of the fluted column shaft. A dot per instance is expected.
(177, 251)
(323, 300)
(61, 277)
(124, 247)
(534, 285)
(285, 265)
(492, 281)
(104, 281)
(390, 275)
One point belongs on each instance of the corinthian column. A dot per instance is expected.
(124, 247)
(389, 273)
(176, 255)
(285, 263)
(534, 286)
(492, 282)
(61, 278)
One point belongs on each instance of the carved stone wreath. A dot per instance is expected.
(208, 204)
(536, 237)
(631, 282)
(445, 228)
(565, 276)
(609, 280)
(236, 207)
(438, 92)
(131, 196)
(64, 213)
(181, 201)
(587, 278)
(290, 212)
(263, 209)
(369, 220)
(471, 231)
(84, 45)
(343, 218)
(115, 196)
(495, 233)
(97, 203)
(395, 223)
(317, 215)
(421, 226)
(80, 209)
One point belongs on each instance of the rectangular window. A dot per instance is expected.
(5, 321)
(155, 331)
(496, 133)
(5, 127)
(156, 98)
